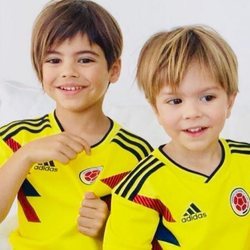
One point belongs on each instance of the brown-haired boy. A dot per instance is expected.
(52, 161)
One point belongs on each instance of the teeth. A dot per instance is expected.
(71, 88)
(193, 130)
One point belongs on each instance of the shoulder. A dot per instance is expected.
(236, 147)
(33, 126)
(238, 152)
(131, 142)
(140, 176)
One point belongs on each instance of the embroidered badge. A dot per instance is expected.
(240, 201)
(88, 176)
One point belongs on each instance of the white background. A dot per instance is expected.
(138, 19)
(21, 95)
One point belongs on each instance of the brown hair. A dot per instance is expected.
(61, 20)
(166, 56)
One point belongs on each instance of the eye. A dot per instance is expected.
(53, 60)
(207, 98)
(174, 101)
(85, 60)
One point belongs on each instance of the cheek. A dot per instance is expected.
(45, 75)
(48, 76)
(219, 115)
(165, 118)
(97, 77)
(45, 82)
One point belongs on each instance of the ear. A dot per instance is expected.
(115, 71)
(231, 99)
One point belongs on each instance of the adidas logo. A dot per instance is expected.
(193, 213)
(46, 166)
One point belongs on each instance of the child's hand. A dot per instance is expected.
(93, 215)
(61, 147)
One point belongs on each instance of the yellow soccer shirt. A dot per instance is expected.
(51, 195)
(162, 205)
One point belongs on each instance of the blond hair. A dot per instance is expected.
(166, 56)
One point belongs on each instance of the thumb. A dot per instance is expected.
(90, 196)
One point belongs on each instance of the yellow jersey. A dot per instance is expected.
(51, 195)
(163, 205)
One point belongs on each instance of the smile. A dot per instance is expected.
(71, 88)
(195, 130)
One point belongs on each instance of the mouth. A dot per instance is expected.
(196, 130)
(71, 88)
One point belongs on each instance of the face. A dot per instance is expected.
(194, 115)
(76, 75)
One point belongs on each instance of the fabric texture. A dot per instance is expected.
(50, 197)
(162, 205)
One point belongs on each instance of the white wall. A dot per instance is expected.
(138, 20)
(20, 93)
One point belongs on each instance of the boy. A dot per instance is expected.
(192, 192)
(47, 162)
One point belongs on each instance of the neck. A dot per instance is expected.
(202, 161)
(90, 126)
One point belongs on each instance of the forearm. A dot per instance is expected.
(12, 175)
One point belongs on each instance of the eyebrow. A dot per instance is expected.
(77, 53)
(211, 88)
(171, 92)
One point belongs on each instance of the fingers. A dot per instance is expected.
(90, 196)
(90, 227)
(93, 206)
(79, 144)
(62, 147)
(68, 146)
(93, 215)
(75, 143)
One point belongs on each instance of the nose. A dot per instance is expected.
(191, 110)
(69, 70)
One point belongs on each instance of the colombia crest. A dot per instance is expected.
(240, 201)
(89, 175)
